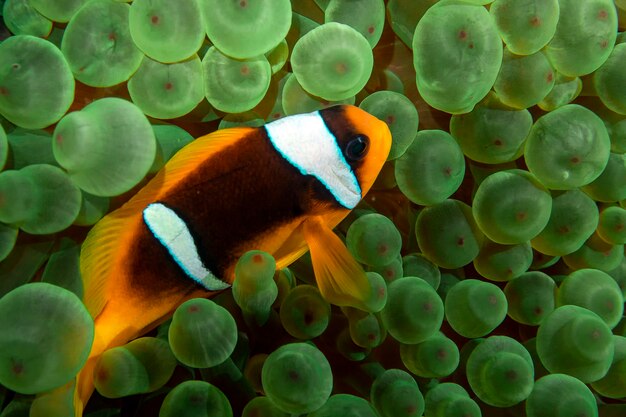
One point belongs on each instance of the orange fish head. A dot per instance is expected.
(377, 138)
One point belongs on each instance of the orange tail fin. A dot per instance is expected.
(120, 321)
(112, 330)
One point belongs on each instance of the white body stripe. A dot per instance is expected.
(172, 232)
(305, 141)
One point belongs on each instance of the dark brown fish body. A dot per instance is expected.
(220, 196)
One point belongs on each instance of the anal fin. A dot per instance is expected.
(339, 276)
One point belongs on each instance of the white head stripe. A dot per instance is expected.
(305, 141)
(172, 232)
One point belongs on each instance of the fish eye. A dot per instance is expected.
(357, 147)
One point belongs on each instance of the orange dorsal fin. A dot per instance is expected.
(102, 246)
(190, 157)
(96, 264)
(339, 276)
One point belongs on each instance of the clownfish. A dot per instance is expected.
(280, 188)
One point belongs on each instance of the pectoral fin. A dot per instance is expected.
(340, 278)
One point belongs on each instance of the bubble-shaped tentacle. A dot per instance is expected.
(417, 265)
(450, 400)
(297, 378)
(612, 225)
(167, 91)
(567, 148)
(595, 253)
(254, 289)
(500, 371)
(525, 27)
(462, 38)
(374, 240)
(454, 245)
(524, 81)
(475, 308)
(104, 158)
(594, 290)
(345, 405)
(503, 262)
(332, 61)
(492, 133)
(195, 399)
(612, 385)
(21, 18)
(51, 205)
(36, 83)
(29, 366)
(395, 393)
(610, 186)
(584, 36)
(244, 29)
(560, 395)
(573, 219)
(232, 85)
(304, 313)
(368, 18)
(202, 333)
(511, 206)
(530, 297)
(575, 341)
(98, 46)
(565, 90)
(431, 169)
(414, 312)
(167, 31)
(435, 357)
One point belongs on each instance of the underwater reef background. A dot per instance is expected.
(493, 238)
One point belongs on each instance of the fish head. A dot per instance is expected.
(343, 147)
(363, 139)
